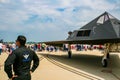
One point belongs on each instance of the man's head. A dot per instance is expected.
(21, 40)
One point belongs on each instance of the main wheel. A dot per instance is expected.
(104, 63)
(69, 54)
(108, 56)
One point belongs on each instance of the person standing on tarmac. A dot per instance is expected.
(0, 48)
(21, 59)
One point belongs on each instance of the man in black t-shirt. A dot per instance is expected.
(21, 59)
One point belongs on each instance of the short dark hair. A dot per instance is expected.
(21, 39)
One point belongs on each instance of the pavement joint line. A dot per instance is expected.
(41, 58)
(112, 71)
(71, 70)
(115, 76)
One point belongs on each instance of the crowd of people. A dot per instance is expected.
(5, 47)
(42, 47)
(8, 48)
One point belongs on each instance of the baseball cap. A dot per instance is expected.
(21, 39)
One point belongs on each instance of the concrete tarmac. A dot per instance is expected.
(84, 65)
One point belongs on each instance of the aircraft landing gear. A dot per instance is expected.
(105, 60)
(69, 54)
(106, 55)
(69, 51)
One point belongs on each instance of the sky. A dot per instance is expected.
(50, 20)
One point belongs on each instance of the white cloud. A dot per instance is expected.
(4, 1)
(16, 15)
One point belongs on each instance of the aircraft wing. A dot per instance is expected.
(56, 43)
(91, 42)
